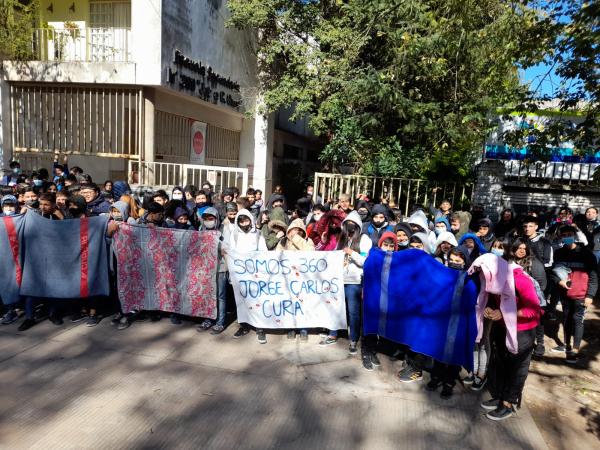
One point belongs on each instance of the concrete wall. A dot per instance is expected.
(146, 32)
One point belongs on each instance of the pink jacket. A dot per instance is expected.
(327, 246)
(496, 277)
(528, 304)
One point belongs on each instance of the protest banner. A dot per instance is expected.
(167, 270)
(285, 289)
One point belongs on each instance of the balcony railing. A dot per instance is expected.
(82, 44)
(550, 172)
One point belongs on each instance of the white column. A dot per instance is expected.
(256, 151)
(147, 151)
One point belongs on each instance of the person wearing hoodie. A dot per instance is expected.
(246, 238)
(364, 211)
(202, 201)
(356, 247)
(119, 212)
(378, 225)
(119, 189)
(473, 244)
(403, 233)
(441, 224)
(296, 240)
(182, 219)
(419, 224)
(445, 242)
(226, 197)
(506, 224)
(485, 233)
(420, 241)
(9, 205)
(276, 227)
(328, 230)
(275, 201)
(209, 221)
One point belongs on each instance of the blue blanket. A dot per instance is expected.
(64, 258)
(11, 263)
(412, 299)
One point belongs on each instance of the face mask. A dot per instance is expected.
(438, 231)
(200, 205)
(9, 212)
(363, 216)
(498, 251)
(403, 244)
(177, 196)
(17, 171)
(378, 224)
(245, 228)
(210, 224)
(32, 204)
(309, 194)
(37, 183)
(118, 219)
(351, 228)
(568, 240)
(456, 266)
(181, 226)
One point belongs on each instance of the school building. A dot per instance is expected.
(157, 92)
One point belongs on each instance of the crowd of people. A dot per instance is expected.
(552, 261)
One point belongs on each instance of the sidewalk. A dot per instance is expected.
(157, 385)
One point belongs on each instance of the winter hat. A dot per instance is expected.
(389, 235)
(380, 209)
(231, 206)
(404, 227)
(10, 199)
(155, 208)
(180, 212)
(443, 220)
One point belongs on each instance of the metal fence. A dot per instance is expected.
(401, 193)
(168, 175)
(81, 44)
(557, 172)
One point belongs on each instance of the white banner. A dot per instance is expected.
(289, 289)
(198, 148)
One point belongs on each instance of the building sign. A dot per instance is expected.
(198, 148)
(202, 81)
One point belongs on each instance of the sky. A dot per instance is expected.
(537, 77)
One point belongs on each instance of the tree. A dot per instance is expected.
(396, 87)
(570, 31)
(17, 22)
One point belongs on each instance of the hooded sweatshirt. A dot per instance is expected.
(370, 229)
(353, 264)
(389, 235)
(277, 218)
(419, 218)
(299, 241)
(424, 240)
(407, 230)
(246, 242)
(123, 208)
(479, 247)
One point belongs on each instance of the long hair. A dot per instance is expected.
(349, 240)
(527, 262)
(135, 211)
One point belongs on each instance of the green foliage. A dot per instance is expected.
(569, 43)
(17, 22)
(396, 87)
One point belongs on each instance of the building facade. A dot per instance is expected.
(128, 86)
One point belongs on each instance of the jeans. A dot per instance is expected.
(222, 278)
(574, 312)
(508, 371)
(353, 294)
(482, 351)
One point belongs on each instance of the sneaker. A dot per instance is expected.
(353, 349)
(175, 320)
(205, 326)
(478, 384)
(291, 334)
(571, 358)
(539, 351)
(375, 359)
(78, 317)
(558, 349)
(329, 340)
(501, 413)
(26, 325)
(116, 319)
(366, 361)
(124, 323)
(242, 331)
(217, 329)
(56, 320)
(92, 321)
(304, 335)
(410, 374)
(469, 379)
(10, 317)
(447, 391)
(490, 404)
(261, 336)
(433, 384)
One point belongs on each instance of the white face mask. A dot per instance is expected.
(177, 196)
(9, 212)
(210, 224)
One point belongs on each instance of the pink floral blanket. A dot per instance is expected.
(167, 269)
